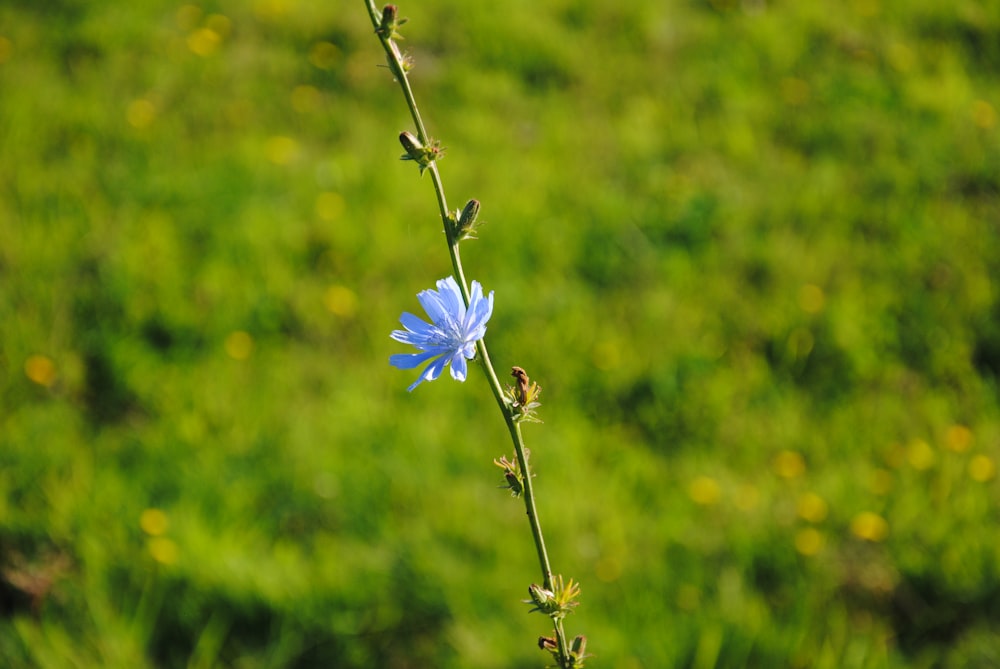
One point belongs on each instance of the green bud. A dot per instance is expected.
(417, 152)
(467, 220)
(544, 600)
(414, 149)
(389, 23)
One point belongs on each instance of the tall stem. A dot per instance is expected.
(399, 72)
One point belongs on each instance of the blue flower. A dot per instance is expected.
(452, 335)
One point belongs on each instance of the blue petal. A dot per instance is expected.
(459, 368)
(411, 360)
(451, 295)
(432, 371)
(416, 324)
(435, 307)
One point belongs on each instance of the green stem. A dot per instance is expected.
(528, 495)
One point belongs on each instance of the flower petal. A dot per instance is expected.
(411, 360)
(451, 295)
(459, 368)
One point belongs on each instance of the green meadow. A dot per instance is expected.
(749, 249)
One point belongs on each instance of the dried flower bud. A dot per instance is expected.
(522, 384)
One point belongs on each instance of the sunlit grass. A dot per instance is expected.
(749, 250)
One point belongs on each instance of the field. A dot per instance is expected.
(749, 249)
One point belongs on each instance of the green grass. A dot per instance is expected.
(750, 251)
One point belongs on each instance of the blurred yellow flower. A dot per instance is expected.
(163, 550)
(341, 301)
(747, 497)
(811, 298)
(809, 541)
(920, 455)
(204, 41)
(219, 24)
(958, 438)
(982, 468)
(6, 48)
(329, 205)
(984, 115)
(789, 464)
(324, 55)
(140, 113)
(704, 490)
(154, 522)
(880, 481)
(41, 370)
(239, 345)
(869, 526)
(281, 150)
(187, 16)
(305, 98)
(812, 507)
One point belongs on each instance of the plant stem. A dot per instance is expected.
(396, 66)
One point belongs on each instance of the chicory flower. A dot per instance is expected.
(450, 338)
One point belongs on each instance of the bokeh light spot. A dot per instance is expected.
(271, 9)
(982, 468)
(809, 541)
(188, 16)
(881, 481)
(239, 345)
(747, 497)
(958, 438)
(800, 343)
(341, 301)
(204, 42)
(704, 490)
(869, 526)
(324, 55)
(329, 206)
(41, 370)
(6, 49)
(789, 465)
(219, 24)
(305, 99)
(812, 507)
(140, 113)
(154, 522)
(920, 455)
(606, 355)
(281, 150)
(984, 115)
(163, 550)
(811, 298)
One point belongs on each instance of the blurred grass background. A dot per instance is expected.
(749, 249)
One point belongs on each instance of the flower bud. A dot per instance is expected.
(414, 149)
(544, 600)
(467, 220)
(390, 21)
(579, 647)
